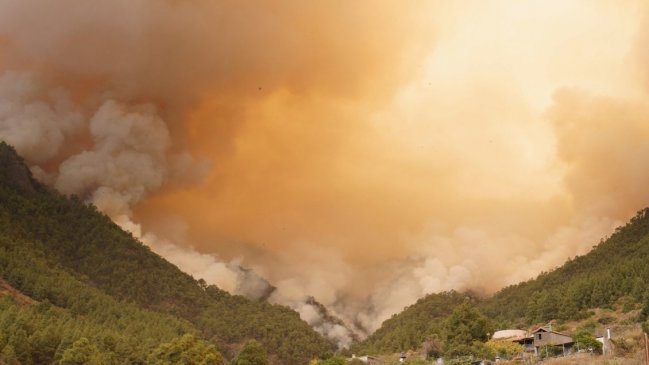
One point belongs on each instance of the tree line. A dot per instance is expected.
(98, 282)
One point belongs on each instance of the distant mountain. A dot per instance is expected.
(616, 271)
(89, 279)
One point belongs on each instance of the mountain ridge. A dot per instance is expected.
(84, 243)
(613, 272)
(46, 235)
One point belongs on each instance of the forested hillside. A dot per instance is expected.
(414, 325)
(614, 269)
(614, 272)
(75, 288)
(93, 281)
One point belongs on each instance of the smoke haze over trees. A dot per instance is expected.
(365, 153)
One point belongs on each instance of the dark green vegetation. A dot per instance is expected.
(186, 350)
(441, 324)
(615, 272)
(465, 332)
(88, 292)
(251, 354)
(417, 323)
(103, 297)
(616, 268)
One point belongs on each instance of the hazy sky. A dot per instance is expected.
(366, 152)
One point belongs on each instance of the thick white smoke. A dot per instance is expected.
(298, 290)
(463, 260)
(343, 129)
(34, 119)
(127, 160)
(314, 316)
(125, 157)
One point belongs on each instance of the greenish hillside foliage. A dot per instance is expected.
(615, 270)
(414, 325)
(186, 350)
(70, 310)
(252, 353)
(465, 332)
(445, 324)
(61, 250)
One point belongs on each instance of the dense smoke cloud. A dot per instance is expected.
(364, 153)
(606, 169)
(36, 120)
(133, 71)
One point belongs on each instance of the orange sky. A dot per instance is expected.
(357, 152)
(365, 148)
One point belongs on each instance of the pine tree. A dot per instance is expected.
(8, 355)
(82, 352)
(186, 350)
(251, 354)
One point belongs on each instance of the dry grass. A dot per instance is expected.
(596, 360)
(586, 359)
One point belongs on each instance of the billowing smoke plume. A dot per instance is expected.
(35, 119)
(364, 153)
(124, 158)
(116, 85)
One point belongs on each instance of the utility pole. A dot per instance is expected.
(607, 342)
(646, 348)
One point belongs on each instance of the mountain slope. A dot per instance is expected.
(614, 270)
(414, 325)
(68, 309)
(92, 251)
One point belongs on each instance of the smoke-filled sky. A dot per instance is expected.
(366, 153)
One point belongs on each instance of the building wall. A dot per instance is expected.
(551, 338)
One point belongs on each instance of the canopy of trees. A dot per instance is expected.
(99, 295)
(614, 270)
(252, 353)
(414, 325)
(95, 281)
(466, 330)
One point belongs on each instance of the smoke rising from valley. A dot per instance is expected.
(364, 153)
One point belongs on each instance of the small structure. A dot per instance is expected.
(402, 358)
(527, 342)
(545, 337)
(371, 360)
(508, 334)
(521, 337)
(605, 340)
